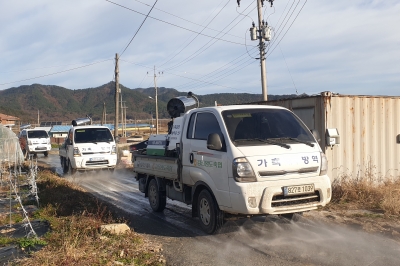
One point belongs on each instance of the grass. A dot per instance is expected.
(75, 239)
(367, 191)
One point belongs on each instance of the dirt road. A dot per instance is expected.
(268, 240)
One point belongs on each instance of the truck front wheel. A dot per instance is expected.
(157, 198)
(64, 164)
(210, 216)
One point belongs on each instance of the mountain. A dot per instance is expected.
(61, 104)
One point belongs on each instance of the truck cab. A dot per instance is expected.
(34, 141)
(88, 148)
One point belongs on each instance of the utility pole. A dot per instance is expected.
(262, 34)
(116, 95)
(103, 118)
(155, 86)
(262, 51)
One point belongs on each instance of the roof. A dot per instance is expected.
(8, 117)
(60, 129)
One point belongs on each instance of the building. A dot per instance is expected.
(360, 135)
(8, 120)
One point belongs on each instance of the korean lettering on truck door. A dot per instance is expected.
(204, 164)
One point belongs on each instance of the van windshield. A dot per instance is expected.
(275, 125)
(37, 134)
(85, 135)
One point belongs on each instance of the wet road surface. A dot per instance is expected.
(269, 240)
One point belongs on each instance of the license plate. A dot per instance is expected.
(295, 190)
(96, 159)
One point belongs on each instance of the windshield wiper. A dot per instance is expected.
(297, 140)
(267, 141)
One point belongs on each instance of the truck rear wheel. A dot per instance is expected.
(210, 216)
(64, 165)
(71, 170)
(157, 198)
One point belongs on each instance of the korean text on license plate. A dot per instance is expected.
(300, 189)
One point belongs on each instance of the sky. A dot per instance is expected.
(346, 47)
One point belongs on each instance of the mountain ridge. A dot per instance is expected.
(56, 103)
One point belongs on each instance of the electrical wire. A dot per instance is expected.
(55, 73)
(186, 20)
(172, 24)
(197, 35)
(288, 28)
(139, 28)
(202, 49)
(288, 70)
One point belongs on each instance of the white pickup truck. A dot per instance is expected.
(234, 161)
(88, 148)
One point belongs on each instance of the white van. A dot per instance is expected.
(34, 141)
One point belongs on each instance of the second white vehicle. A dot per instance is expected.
(88, 148)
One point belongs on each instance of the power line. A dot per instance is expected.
(194, 23)
(197, 35)
(138, 28)
(201, 50)
(172, 24)
(55, 73)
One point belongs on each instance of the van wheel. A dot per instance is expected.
(71, 171)
(46, 153)
(210, 216)
(157, 198)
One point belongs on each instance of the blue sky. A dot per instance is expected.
(347, 47)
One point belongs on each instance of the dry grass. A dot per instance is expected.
(367, 191)
(75, 218)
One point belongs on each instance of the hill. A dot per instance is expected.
(61, 104)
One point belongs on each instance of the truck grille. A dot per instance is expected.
(97, 162)
(280, 200)
(283, 172)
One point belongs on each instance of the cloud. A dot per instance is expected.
(347, 47)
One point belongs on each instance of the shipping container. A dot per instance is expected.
(359, 134)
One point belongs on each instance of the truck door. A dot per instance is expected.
(201, 163)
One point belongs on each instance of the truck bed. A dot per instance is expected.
(156, 166)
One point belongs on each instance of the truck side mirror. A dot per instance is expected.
(315, 133)
(214, 142)
(117, 139)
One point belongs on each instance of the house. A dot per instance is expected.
(8, 120)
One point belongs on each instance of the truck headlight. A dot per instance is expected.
(114, 149)
(242, 170)
(77, 152)
(324, 164)
(29, 142)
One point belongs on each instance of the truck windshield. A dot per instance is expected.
(276, 125)
(85, 135)
(37, 134)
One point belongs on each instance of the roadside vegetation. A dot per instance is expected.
(74, 237)
(367, 191)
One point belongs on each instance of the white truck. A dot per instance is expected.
(234, 161)
(88, 147)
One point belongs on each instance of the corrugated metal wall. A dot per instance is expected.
(368, 128)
